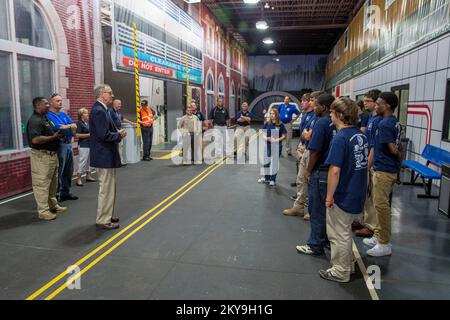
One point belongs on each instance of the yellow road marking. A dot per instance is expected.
(105, 254)
(170, 155)
(362, 267)
(89, 255)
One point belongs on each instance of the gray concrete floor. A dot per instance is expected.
(225, 239)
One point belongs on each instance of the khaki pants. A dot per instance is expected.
(44, 174)
(302, 182)
(288, 127)
(106, 195)
(383, 183)
(241, 141)
(339, 231)
(369, 218)
(122, 151)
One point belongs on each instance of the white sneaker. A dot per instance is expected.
(272, 183)
(262, 180)
(380, 250)
(371, 242)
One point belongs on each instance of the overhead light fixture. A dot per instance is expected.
(268, 41)
(273, 52)
(192, 1)
(276, 59)
(262, 25)
(267, 6)
(251, 1)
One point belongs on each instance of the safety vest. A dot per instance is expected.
(147, 117)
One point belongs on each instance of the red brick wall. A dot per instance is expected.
(15, 175)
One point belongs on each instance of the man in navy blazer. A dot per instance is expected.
(104, 144)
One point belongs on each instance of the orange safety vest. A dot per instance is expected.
(147, 117)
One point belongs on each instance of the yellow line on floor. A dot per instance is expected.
(169, 156)
(92, 253)
(118, 244)
(362, 267)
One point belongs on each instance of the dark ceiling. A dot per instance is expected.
(296, 26)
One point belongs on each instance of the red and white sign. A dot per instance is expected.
(128, 62)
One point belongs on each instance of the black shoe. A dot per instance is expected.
(123, 165)
(68, 197)
(293, 185)
(146, 159)
(115, 220)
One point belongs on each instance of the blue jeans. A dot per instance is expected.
(272, 163)
(65, 170)
(317, 192)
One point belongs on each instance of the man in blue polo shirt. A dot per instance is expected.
(317, 172)
(244, 120)
(388, 155)
(63, 123)
(288, 114)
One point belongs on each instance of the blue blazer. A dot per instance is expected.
(104, 140)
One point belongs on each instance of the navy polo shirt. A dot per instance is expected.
(287, 112)
(388, 131)
(200, 116)
(276, 131)
(362, 121)
(62, 119)
(308, 121)
(323, 132)
(247, 114)
(116, 117)
(349, 151)
(372, 125)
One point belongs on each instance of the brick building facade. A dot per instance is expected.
(68, 61)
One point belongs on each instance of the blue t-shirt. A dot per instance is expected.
(62, 119)
(307, 122)
(362, 121)
(350, 152)
(388, 131)
(372, 125)
(287, 112)
(323, 132)
(276, 131)
(247, 114)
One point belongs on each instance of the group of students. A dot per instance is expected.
(348, 164)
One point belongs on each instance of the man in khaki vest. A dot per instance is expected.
(44, 141)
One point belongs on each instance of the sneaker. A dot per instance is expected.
(272, 183)
(47, 216)
(371, 242)
(307, 217)
(307, 250)
(262, 180)
(58, 209)
(294, 212)
(328, 275)
(380, 250)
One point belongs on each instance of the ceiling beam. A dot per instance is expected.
(304, 27)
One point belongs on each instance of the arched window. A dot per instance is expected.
(239, 96)
(221, 87)
(210, 93)
(27, 61)
(232, 100)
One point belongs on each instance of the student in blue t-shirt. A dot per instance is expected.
(388, 155)
(288, 114)
(274, 132)
(366, 226)
(317, 172)
(347, 185)
(308, 121)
